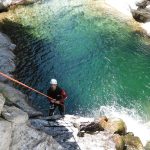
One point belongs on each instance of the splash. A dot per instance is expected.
(135, 123)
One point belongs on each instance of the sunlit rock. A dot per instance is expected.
(133, 142)
(2, 101)
(119, 142)
(5, 134)
(113, 125)
(14, 114)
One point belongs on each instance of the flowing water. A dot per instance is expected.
(101, 62)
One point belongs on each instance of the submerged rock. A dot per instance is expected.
(5, 134)
(2, 101)
(15, 115)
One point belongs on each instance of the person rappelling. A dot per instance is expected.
(56, 95)
(59, 96)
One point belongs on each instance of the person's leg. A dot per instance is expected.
(61, 109)
(52, 109)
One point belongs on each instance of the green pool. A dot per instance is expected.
(97, 58)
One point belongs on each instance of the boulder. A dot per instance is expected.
(141, 15)
(5, 134)
(113, 125)
(14, 115)
(147, 147)
(133, 142)
(16, 98)
(103, 121)
(143, 4)
(4, 4)
(25, 137)
(119, 142)
(2, 101)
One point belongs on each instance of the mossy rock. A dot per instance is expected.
(119, 142)
(133, 142)
(117, 126)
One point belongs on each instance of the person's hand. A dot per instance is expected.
(57, 102)
(53, 100)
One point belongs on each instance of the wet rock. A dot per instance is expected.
(133, 142)
(119, 142)
(2, 101)
(14, 114)
(147, 147)
(5, 134)
(113, 125)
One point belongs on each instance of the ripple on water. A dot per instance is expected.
(95, 57)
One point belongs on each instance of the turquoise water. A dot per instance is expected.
(96, 57)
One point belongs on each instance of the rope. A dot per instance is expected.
(26, 86)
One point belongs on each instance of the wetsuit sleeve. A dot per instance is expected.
(63, 95)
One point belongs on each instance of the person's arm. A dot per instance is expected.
(63, 95)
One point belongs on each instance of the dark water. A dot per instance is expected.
(97, 58)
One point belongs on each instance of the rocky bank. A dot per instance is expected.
(138, 10)
(24, 128)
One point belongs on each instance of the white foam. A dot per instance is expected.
(123, 5)
(135, 123)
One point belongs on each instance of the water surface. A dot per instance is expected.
(97, 58)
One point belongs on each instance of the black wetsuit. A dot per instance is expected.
(60, 95)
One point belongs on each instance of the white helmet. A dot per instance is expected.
(53, 81)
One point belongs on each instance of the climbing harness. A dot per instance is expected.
(26, 86)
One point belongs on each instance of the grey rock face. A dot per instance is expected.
(6, 55)
(25, 137)
(5, 134)
(17, 98)
(2, 101)
(15, 115)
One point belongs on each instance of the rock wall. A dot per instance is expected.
(16, 132)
